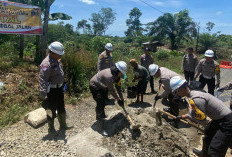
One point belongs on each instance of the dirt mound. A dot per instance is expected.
(149, 140)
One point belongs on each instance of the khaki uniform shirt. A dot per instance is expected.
(210, 105)
(142, 73)
(105, 80)
(146, 60)
(51, 72)
(104, 61)
(208, 69)
(189, 62)
(165, 77)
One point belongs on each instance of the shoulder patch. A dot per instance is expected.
(101, 56)
(44, 68)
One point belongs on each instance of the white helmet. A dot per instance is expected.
(56, 47)
(153, 68)
(122, 66)
(176, 82)
(209, 53)
(109, 46)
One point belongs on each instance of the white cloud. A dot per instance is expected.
(174, 3)
(158, 3)
(219, 13)
(88, 1)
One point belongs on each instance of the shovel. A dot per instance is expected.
(134, 126)
(183, 121)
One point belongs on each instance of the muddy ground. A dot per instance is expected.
(21, 139)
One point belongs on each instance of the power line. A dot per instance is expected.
(151, 6)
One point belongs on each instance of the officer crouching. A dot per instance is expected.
(51, 81)
(99, 84)
(218, 132)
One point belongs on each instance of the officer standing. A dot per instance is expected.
(105, 59)
(142, 75)
(51, 83)
(189, 63)
(218, 133)
(99, 84)
(165, 76)
(208, 68)
(147, 59)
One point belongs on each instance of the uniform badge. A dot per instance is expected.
(44, 68)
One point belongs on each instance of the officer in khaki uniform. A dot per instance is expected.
(189, 63)
(51, 85)
(165, 76)
(99, 84)
(208, 68)
(218, 133)
(147, 59)
(105, 59)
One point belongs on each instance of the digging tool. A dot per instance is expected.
(183, 121)
(153, 108)
(134, 127)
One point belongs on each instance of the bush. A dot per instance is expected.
(79, 67)
(98, 44)
(175, 53)
(162, 54)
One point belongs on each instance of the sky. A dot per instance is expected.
(201, 11)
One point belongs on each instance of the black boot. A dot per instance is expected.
(51, 128)
(62, 121)
(203, 152)
(101, 129)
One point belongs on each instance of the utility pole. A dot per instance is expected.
(45, 28)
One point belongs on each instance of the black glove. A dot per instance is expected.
(121, 103)
(220, 89)
(178, 118)
(217, 85)
(157, 97)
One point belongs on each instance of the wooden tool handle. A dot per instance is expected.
(183, 121)
(130, 120)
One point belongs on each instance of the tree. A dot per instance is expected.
(84, 26)
(209, 26)
(176, 27)
(134, 24)
(102, 20)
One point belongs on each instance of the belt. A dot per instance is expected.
(56, 85)
(207, 77)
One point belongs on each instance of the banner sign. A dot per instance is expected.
(17, 18)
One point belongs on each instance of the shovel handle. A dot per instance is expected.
(128, 116)
(183, 121)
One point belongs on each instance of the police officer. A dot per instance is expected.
(105, 59)
(208, 68)
(228, 86)
(147, 59)
(165, 76)
(101, 82)
(189, 63)
(51, 80)
(142, 75)
(218, 133)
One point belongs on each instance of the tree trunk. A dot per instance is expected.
(38, 54)
(21, 48)
(45, 28)
(198, 29)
